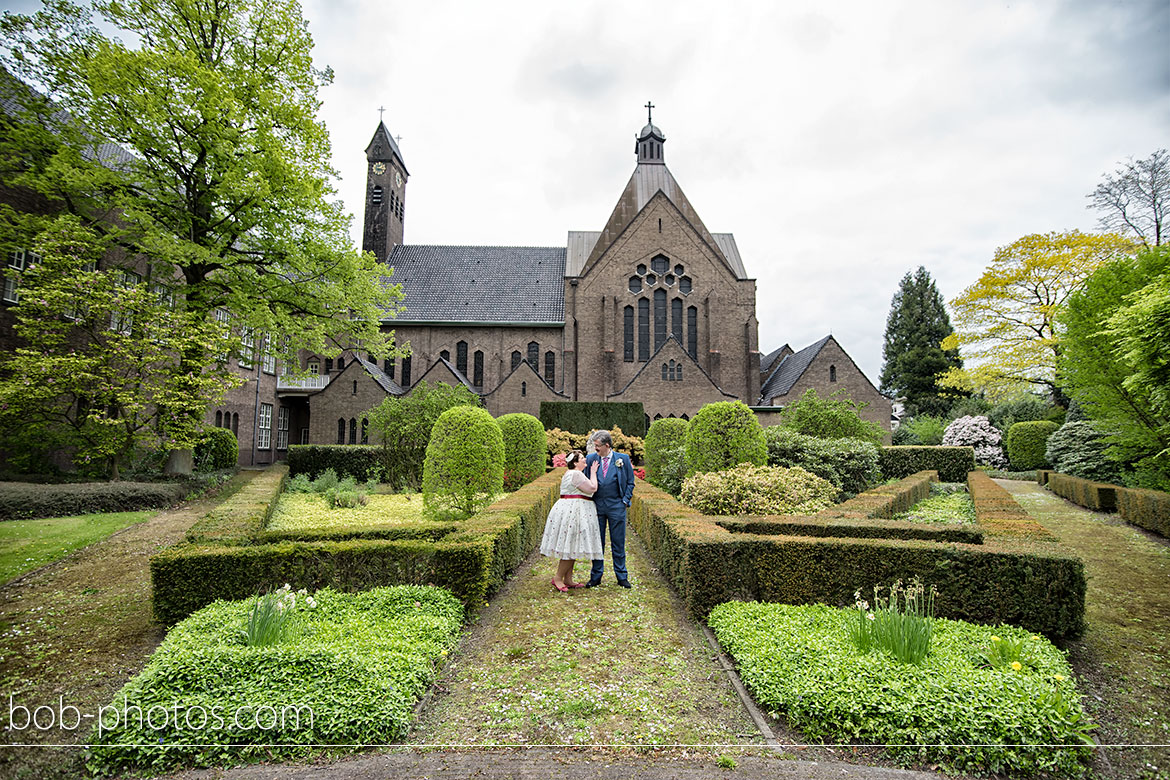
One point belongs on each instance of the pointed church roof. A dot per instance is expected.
(379, 376)
(382, 147)
(791, 368)
(669, 341)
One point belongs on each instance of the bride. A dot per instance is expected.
(571, 531)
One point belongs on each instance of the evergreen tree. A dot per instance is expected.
(913, 359)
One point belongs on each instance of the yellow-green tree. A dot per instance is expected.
(1005, 324)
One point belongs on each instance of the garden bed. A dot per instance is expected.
(310, 511)
(350, 673)
(954, 708)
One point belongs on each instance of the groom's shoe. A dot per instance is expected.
(625, 583)
(593, 583)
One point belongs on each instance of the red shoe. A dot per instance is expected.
(577, 585)
(561, 588)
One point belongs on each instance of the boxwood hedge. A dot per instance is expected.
(351, 673)
(23, 500)
(951, 463)
(355, 460)
(1026, 443)
(586, 416)
(1149, 509)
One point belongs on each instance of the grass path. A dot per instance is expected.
(1123, 661)
(590, 667)
(29, 544)
(78, 629)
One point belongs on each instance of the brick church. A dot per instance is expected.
(654, 307)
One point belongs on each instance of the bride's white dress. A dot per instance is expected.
(571, 531)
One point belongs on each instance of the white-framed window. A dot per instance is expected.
(313, 367)
(264, 428)
(21, 259)
(248, 349)
(11, 287)
(267, 359)
(282, 428)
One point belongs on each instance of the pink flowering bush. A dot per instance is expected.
(559, 461)
(980, 434)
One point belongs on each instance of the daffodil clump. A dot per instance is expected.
(953, 708)
(271, 620)
(900, 623)
(350, 673)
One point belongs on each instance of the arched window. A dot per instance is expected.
(355, 387)
(340, 362)
(406, 372)
(236, 423)
(516, 358)
(678, 373)
(676, 319)
(665, 374)
(534, 356)
(693, 331)
(388, 367)
(365, 430)
(218, 419)
(643, 330)
(628, 335)
(550, 367)
(353, 430)
(523, 388)
(477, 379)
(832, 373)
(461, 357)
(659, 318)
(340, 431)
(376, 195)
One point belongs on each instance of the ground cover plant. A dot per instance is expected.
(309, 511)
(950, 507)
(336, 493)
(354, 664)
(28, 544)
(956, 707)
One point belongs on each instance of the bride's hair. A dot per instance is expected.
(572, 458)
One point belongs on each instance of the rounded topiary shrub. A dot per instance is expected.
(1078, 449)
(666, 453)
(980, 435)
(758, 490)
(464, 466)
(525, 449)
(216, 449)
(723, 435)
(1027, 443)
(850, 464)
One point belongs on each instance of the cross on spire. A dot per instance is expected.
(380, 110)
(649, 108)
(397, 139)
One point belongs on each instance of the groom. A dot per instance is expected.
(615, 487)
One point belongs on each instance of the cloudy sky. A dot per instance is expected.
(843, 143)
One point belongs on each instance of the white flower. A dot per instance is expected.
(869, 616)
(311, 602)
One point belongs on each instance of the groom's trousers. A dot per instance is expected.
(611, 515)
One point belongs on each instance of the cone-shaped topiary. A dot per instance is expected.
(723, 435)
(666, 451)
(525, 446)
(464, 466)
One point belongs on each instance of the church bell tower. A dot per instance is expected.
(385, 194)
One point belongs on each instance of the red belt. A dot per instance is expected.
(587, 498)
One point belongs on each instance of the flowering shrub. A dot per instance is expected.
(559, 461)
(758, 490)
(981, 435)
(640, 473)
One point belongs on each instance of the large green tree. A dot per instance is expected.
(916, 325)
(1006, 321)
(198, 147)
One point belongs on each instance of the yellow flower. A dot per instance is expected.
(1037, 638)
(994, 638)
(1059, 677)
(1016, 665)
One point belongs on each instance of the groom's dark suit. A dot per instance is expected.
(615, 488)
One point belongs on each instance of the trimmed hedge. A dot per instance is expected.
(471, 561)
(951, 463)
(217, 448)
(666, 453)
(360, 461)
(464, 467)
(1026, 443)
(525, 448)
(24, 500)
(722, 435)
(885, 500)
(242, 517)
(997, 511)
(1149, 509)
(1024, 579)
(1098, 496)
(586, 416)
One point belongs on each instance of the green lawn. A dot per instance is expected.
(304, 511)
(28, 544)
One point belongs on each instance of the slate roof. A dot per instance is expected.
(480, 284)
(767, 360)
(387, 384)
(791, 368)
